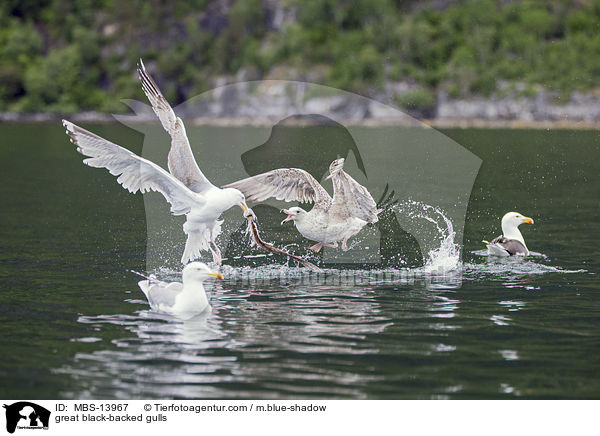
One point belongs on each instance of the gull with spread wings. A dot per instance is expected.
(331, 220)
(202, 208)
(188, 191)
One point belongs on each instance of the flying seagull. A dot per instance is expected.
(184, 300)
(511, 242)
(331, 219)
(183, 166)
(186, 188)
(202, 207)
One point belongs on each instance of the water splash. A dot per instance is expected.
(447, 256)
(440, 261)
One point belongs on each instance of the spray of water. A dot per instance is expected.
(446, 257)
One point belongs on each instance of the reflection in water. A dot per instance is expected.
(286, 333)
(509, 354)
(508, 389)
(512, 306)
(500, 320)
(395, 330)
(513, 270)
(267, 338)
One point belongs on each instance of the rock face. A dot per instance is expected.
(545, 106)
(272, 100)
(277, 99)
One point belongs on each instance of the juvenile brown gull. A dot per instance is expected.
(331, 219)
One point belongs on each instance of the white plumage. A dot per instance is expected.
(184, 299)
(511, 242)
(134, 173)
(188, 191)
(331, 219)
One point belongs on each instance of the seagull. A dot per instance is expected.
(511, 242)
(331, 219)
(186, 187)
(184, 300)
(202, 207)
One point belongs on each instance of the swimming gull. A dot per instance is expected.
(184, 300)
(331, 219)
(511, 242)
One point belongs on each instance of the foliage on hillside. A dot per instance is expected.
(71, 55)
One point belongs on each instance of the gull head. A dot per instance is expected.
(199, 271)
(510, 225)
(335, 167)
(236, 197)
(515, 219)
(292, 214)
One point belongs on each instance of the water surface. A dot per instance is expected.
(75, 325)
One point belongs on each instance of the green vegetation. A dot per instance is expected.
(420, 99)
(72, 55)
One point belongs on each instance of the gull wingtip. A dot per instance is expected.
(69, 126)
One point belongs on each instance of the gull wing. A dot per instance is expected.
(288, 184)
(163, 295)
(350, 197)
(134, 172)
(181, 159)
(502, 246)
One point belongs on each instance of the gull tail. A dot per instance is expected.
(196, 243)
(145, 287)
(141, 275)
(198, 239)
(145, 284)
(495, 249)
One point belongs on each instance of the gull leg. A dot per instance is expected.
(216, 253)
(218, 250)
(345, 241)
(317, 247)
(334, 245)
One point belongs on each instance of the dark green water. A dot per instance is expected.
(75, 325)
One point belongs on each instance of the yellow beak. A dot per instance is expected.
(216, 275)
(527, 220)
(244, 207)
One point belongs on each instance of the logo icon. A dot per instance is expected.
(26, 415)
(421, 178)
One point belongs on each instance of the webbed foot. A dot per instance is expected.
(317, 247)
